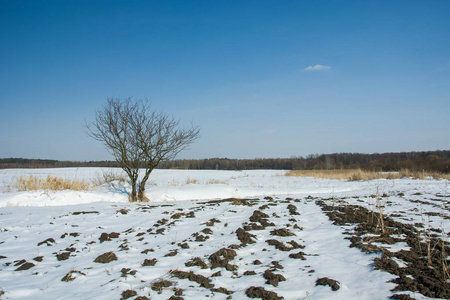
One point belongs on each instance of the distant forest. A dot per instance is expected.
(414, 161)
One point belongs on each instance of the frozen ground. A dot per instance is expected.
(47, 236)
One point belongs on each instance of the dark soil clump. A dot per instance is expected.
(161, 284)
(260, 217)
(244, 237)
(222, 258)
(48, 242)
(106, 258)
(108, 236)
(70, 276)
(299, 255)
(63, 256)
(282, 232)
(260, 292)
(25, 266)
(149, 262)
(84, 213)
(222, 290)
(128, 294)
(335, 285)
(200, 279)
(196, 261)
(273, 278)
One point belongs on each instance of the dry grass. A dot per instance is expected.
(108, 177)
(33, 183)
(357, 175)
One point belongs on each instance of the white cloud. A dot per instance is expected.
(317, 68)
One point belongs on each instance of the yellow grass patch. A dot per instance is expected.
(356, 175)
(33, 183)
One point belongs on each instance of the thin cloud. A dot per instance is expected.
(317, 68)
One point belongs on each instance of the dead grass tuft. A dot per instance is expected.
(357, 175)
(33, 183)
(108, 177)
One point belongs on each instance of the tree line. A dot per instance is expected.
(414, 161)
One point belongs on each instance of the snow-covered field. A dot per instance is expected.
(48, 236)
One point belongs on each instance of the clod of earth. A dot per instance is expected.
(128, 294)
(84, 212)
(38, 258)
(299, 255)
(196, 261)
(247, 273)
(160, 285)
(63, 256)
(48, 242)
(260, 292)
(106, 258)
(25, 266)
(72, 275)
(335, 285)
(281, 232)
(244, 237)
(123, 211)
(108, 236)
(260, 217)
(127, 271)
(273, 278)
(183, 245)
(149, 262)
(200, 279)
(292, 209)
(222, 290)
(172, 253)
(221, 258)
(211, 222)
(147, 251)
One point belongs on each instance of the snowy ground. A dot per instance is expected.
(47, 236)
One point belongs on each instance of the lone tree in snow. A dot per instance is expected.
(139, 137)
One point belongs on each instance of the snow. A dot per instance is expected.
(29, 218)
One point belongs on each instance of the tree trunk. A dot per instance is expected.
(141, 194)
(133, 197)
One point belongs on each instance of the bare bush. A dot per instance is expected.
(139, 137)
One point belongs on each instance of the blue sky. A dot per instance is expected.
(260, 78)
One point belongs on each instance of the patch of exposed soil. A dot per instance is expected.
(108, 236)
(63, 256)
(282, 232)
(72, 275)
(106, 258)
(244, 237)
(196, 262)
(48, 242)
(200, 279)
(422, 273)
(25, 266)
(212, 222)
(260, 292)
(299, 255)
(128, 294)
(221, 259)
(273, 278)
(149, 262)
(333, 284)
(260, 217)
(292, 209)
(127, 271)
(160, 284)
(222, 290)
(84, 213)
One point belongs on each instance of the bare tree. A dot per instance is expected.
(139, 137)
